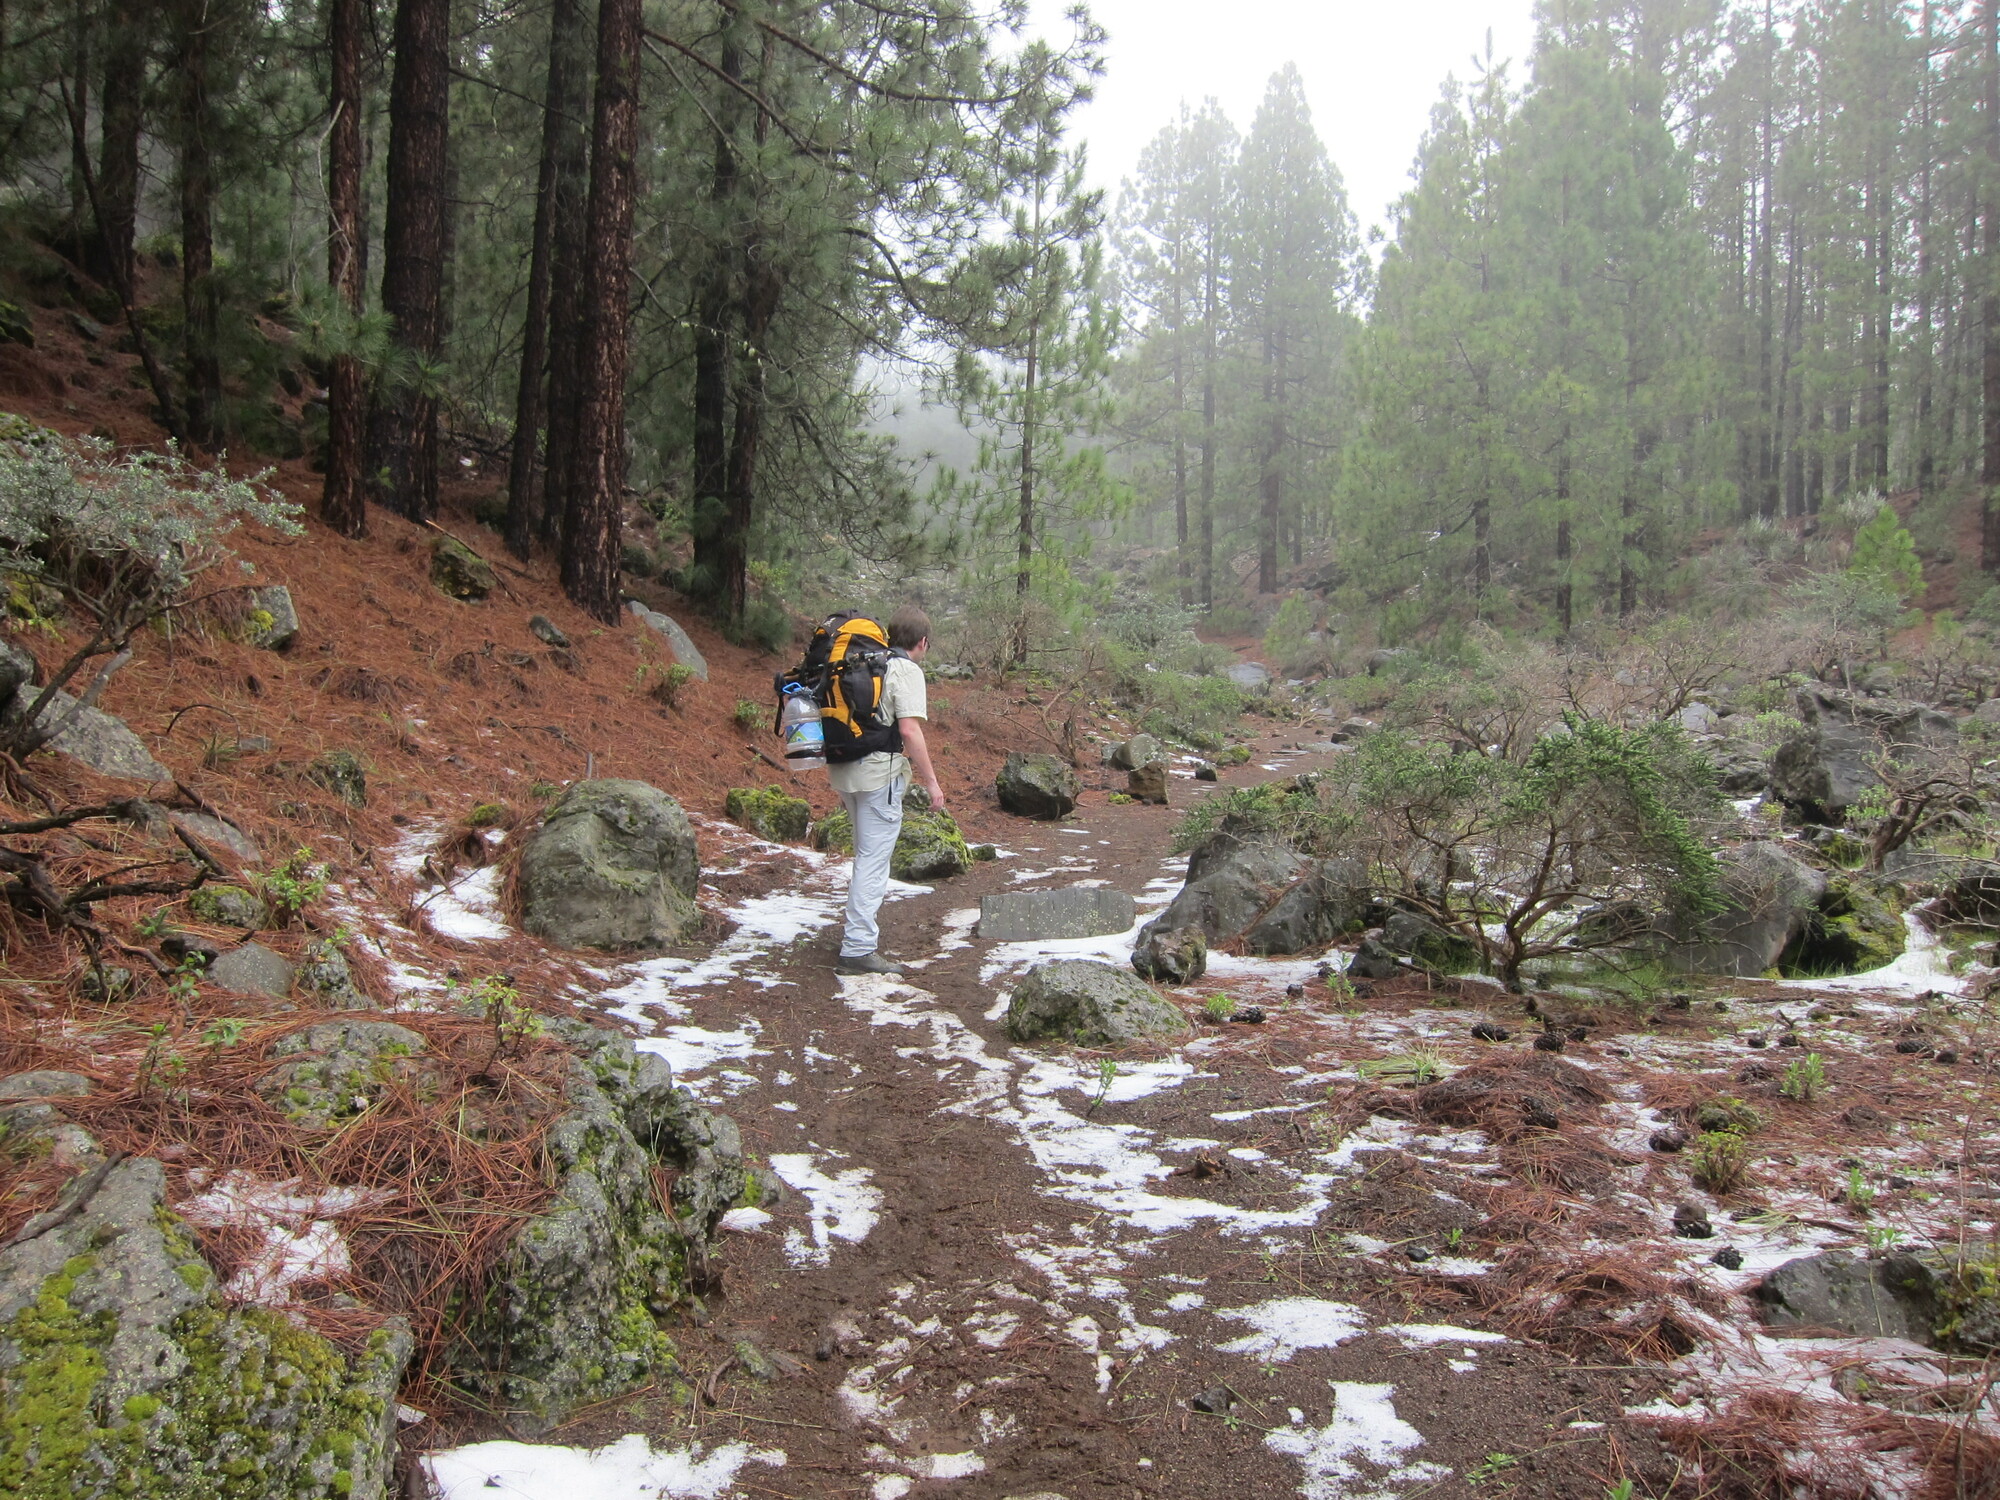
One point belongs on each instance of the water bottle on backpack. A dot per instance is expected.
(800, 728)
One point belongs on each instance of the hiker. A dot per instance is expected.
(872, 789)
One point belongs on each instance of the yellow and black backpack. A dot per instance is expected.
(844, 668)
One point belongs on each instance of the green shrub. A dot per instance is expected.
(749, 713)
(1885, 552)
(1718, 1160)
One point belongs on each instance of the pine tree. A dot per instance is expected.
(1292, 269)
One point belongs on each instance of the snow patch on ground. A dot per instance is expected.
(1285, 1325)
(301, 1245)
(1363, 1430)
(844, 1206)
(629, 1469)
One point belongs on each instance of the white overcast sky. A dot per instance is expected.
(1372, 72)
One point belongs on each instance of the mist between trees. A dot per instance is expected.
(1679, 298)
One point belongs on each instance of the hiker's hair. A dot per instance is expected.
(908, 626)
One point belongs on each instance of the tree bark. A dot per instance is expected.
(721, 550)
(343, 503)
(592, 522)
(1270, 480)
(1989, 468)
(402, 456)
(567, 250)
(200, 308)
(121, 118)
(527, 496)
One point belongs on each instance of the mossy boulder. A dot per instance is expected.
(930, 847)
(325, 972)
(1037, 786)
(1855, 926)
(1419, 938)
(459, 571)
(1170, 955)
(1089, 1003)
(227, 906)
(342, 773)
(769, 813)
(613, 866)
(273, 619)
(124, 1373)
(334, 1070)
(572, 1313)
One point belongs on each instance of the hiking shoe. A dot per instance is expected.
(867, 963)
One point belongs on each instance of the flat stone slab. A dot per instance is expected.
(677, 639)
(1247, 674)
(1030, 916)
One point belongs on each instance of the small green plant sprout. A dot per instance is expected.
(1491, 1467)
(218, 751)
(544, 791)
(293, 885)
(497, 999)
(184, 984)
(1882, 1238)
(750, 714)
(161, 1064)
(673, 682)
(153, 924)
(1718, 1160)
(223, 1033)
(1218, 1007)
(1805, 1078)
(1622, 1490)
(1857, 1193)
(1107, 1071)
(1453, 1238)
(486, 815)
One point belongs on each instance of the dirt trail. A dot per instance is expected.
(990, 1282)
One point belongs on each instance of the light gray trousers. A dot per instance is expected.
(878, 819)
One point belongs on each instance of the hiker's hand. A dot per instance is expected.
(936, 796)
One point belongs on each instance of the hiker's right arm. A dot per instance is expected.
(912, 731)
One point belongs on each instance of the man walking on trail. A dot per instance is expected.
(872, 791)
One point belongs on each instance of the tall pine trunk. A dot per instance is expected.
(1989, 307)
(567, 249)
(120, 120)
(343, 503)
(721, 549)
(200, 307)
(402, 434)
(1270, 479)
(592, 522)
(527, 496)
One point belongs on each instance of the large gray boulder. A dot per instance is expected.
(1033, 916)
(1823, 772)
(123, 1371)
(1264, 897)
(572, 1312)
(1089, 1003)
(1418, 937)
(459, 571)
(1251, 676)
(1889, 1298)
(102, 741)
(678, 640)
(1140, 750)
(1770, 893)
(613, 866)
(1037, 786)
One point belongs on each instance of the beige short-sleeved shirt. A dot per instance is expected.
(904, 696)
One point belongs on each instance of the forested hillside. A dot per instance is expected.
(1687, 273)
(1512, 700)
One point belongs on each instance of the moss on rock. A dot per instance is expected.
(122, 1373)
(930, 847)
(769, 813)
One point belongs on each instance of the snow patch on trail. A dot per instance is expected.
(1363, 1429)
(844, 1206)
(1285, 1325)
(629, 1469)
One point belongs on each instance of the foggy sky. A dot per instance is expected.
(1372, 72)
